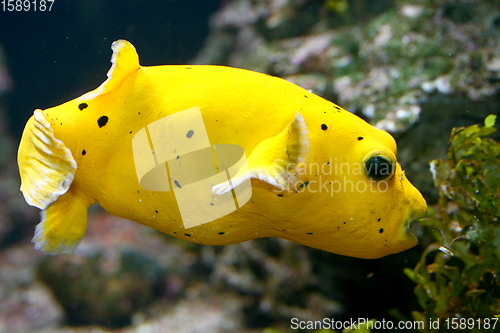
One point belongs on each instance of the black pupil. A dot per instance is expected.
(378, 167)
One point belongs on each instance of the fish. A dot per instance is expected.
(215, 155)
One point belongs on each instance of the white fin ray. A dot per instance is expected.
(124, 62)
(47, 166)
(289, 147)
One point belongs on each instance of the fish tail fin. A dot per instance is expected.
(63, 224)
(124, 60)
(46, 166)
(275, 160)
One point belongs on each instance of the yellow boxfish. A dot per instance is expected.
(215, 155)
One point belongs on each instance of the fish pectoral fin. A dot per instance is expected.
(63, 225)
(124, 60)
(227, 186)
(275, 160)
(46, 165)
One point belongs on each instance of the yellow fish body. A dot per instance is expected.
(314, 173)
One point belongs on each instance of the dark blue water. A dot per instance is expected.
(58, 55)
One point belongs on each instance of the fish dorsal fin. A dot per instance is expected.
(46, 165)
(275, 160)
(124, 60)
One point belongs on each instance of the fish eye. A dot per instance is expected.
(378, 167)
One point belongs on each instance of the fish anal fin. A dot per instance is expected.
(124, 60)
(63, 225)
(275, 160)
(46, 165)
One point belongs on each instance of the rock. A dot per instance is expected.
(276, 280)
(26, 305)
(29, 308)
(112, 274)
(103, 287)
(215, 314)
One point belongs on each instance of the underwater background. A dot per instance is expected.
(415, 68)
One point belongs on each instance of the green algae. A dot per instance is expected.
(458, 275)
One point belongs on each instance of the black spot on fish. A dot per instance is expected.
(306, 96)
(84, 152)
(378, 220)
(138, 113)
(280, 195)
(324, 127)
(304, 184)
(360, 138)
(212, 204)
(130, 132)
(188, 67)
(188, 235)
(102, 121)
(156, 211)
(189, 134)
(82, 106)
(175, 232)
(338, 108)
(177, 184)
(344, 223)
(221, 233)
(309, 233)
(284, 230)
(381, 230)
(177, 157)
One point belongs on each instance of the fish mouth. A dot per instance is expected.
(408, 226)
